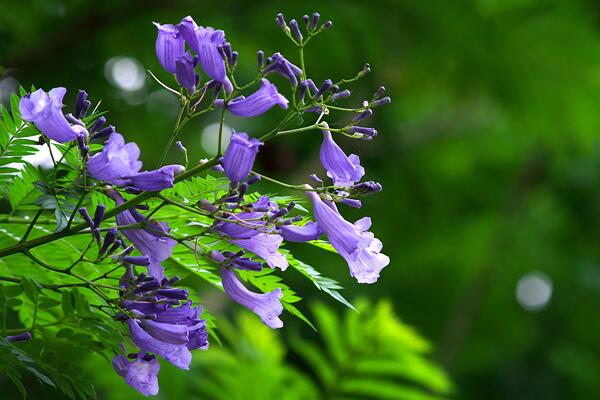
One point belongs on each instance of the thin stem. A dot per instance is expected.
(32, 224)
(220, 152)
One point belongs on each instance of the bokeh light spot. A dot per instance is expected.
(534, 291)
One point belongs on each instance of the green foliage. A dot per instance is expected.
(366, 355)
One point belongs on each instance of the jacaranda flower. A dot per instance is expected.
(266, 246)
(149, 240)
(141, 373)
(280, 65)
(266, 305)
(184, 72)
(240, 155)
(176, 353)
(205, 42)
(118, 164)
(301, 233)
(344, 170)
(45, 111)
(170, 46)
(360, 248)
(258, 102)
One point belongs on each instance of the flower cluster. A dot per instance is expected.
(160, 318)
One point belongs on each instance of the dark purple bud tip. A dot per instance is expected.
(148, 286)
(280, 20)
(379, 92)
(316, 179)
(382, 101)
(247, 264)
(335, 89)
(315, 109)
(142, 261)
(21, 337)
(98, 124)
(81, 145)
(260, 55)
(352, 203)
(102, 133)
(234, 59)
(253, 179)
(96, 234)
(177, 294)
(306, 19)
(363, 130)
(296, 30)
(86, 216)
(108, 240)
(74, 120)
(341, 95)
(291, 205)
(363, 115)
(99, 215)
(314, 21)
(79, 103)
(174, 279)
(86, 107)
(324, 87)
(180, 146)
(327, 25)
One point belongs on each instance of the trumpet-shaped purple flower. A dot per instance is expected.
(170, 46)
(240, 155)
(266, 305)
(303, 233)
(184, 72)
(342, 169)
(44, 110)
(141, 374)
(258, 102)
(279, 64)
(205, 42)
(118, 164)
(176, 353)
(149, 241)
(360, 248)
(266, 246)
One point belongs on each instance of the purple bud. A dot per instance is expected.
(86, 216)
(207, 205)
(74, 120)
(314, 21)
(86, 107)
(247, 264)
(302, 90)
(115, 246)
(109, 130)
(99, 215)
(335, 89)
(315, 109)
(81, 144)
(363, 115)
(327, 25)
(96, 234)
(363, 130)
(180, 146)
(296, 30)
(79, 103)
(280, 20)
(380, 90)
(306, 20)
(253, 179)
(352, 203)
(234, 59)
(260, 55)
(184, 72)
(340, 95)
(98, 124)
(291, 205)
(148, 286)
(316, 179)
(311, 85)
(21, 337)
(324, 87)
(108, 240)
(178, 294)
(227, 51)
(136, 260)
(127, 251)
(174, 279)
(382, 101)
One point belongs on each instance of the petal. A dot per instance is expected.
(178, 355)
(258, 102)
(169, 333)
(343, 170)
(304, 233)
(266, 246)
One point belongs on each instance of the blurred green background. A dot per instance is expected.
(489, 158)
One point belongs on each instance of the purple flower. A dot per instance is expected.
(44, 110)
(240, 155)
(170, 45)
(148, 241)
(184, 72)
(279, 64)
(205, 42)
(141, 374)
(267, 305)
(360, 249)
(342, 169)
(176, 353)
(258, 102)
(266, 246)
(21, 337)
(118, 164)
(304, 233)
